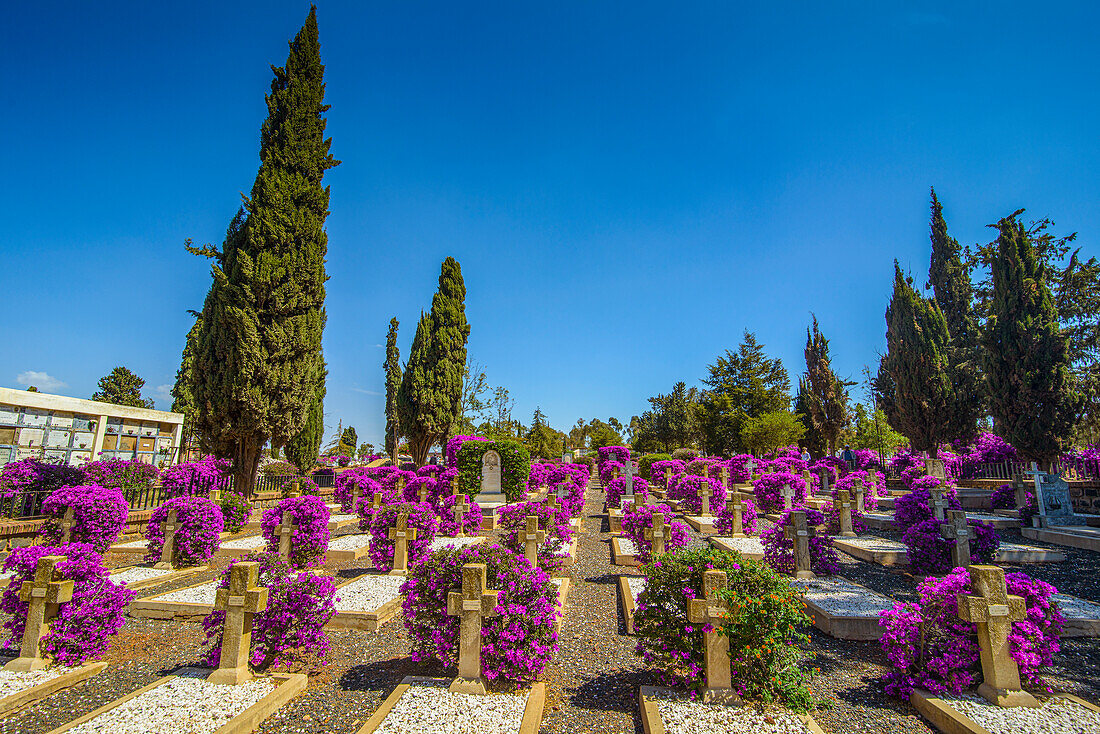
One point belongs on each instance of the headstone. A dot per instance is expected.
(1019, 491)
(459, 510)
(67, 526)
(168, 550)
(532, 536)
(826, 477)
(656, 535)
(716, 646)
(471, 605)
(454, 487)
(1052, 500)
(724, 477)
(808, 480)
(400, 483)
(401, 534)
(787, 493)
(561, 491)
(355, 492)
(937, 502)
(43, 596)
(706, 471)
(286, 535)
(668, 478)
(704, 498)
(737, 506)
(240, 601)
(859, 492)
(490, 473)
(422, 493)
(844, 507)
(376, 500)
(993, 611)
(750, 466)
(958, 530)
(800, 533)
(935, 468)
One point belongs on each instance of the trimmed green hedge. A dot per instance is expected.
(646, 462)
(515, 466)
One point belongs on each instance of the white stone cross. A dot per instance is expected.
(716, 646)
(704, 498)
(355, 492)
(532, 536)
(471, 605)
(656, 535)
(401, 535)
(844, 505)
(958, 530)
(800, 533)
(459, 509)
(422, 493)
(751, 466)
(67, 526)
(737, 506)
(43, 596)
(787, 493)
(807, 479)
(937, 502)
(244, 598)
(561, 491)
(168, 550)
(286, 535)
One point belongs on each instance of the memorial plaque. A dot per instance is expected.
(146, 444)
(58, 438)
(83, 423)
(30, 436)
(79, 458)
(9, 414)
(32, 417)
(110, 442)
(127, 443)
(1054, 504)
(83, 440)
(7, 435)
(61, 421)
(490, 473)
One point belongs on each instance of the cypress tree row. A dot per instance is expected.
(824, 395)
(914, 383)
(303, 449)
(259, 351)
(1027, 377)
(412, 392)
(392, 366)
(183, 399)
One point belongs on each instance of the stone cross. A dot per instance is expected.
(471, 605)
(400, 483)
(1019, 490)
(716, 646)
(656, 535)
(244, 598)
(44, 595)
(627, 472)
(532, 536)
(958, 530)
(668, 478)
(454, 487)
(937, 502)
(787, 493)
(826, 477)
(561, 491)
(422, 493)
(800, 533)
(704, 498)
(993, 611)
(376, 500)
(168, 550)
(706, 471)
(807, 478)
(751, 466)
(401, 535)
(355, 491)
(459, 509)
(724, 476)
(286, 535)
(844, 505)
(737, 506)
(296, 488)
(67, 526)
(859, 492)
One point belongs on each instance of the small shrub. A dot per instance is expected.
(199, 523)
(236, 511)
(766, 491)
(471, 523)
(120, 473)
(1003, 498)
(99, 515)
(687, 492)
(684, 454)
(779, 550)
(32, 475)
(617, 486)
(636, 520)
(178, 480)
(421, 517)
(513, 524)
(645, 464)
(311, 534)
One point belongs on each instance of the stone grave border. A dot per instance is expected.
(182, 611)
(27, 696)
(564, 588)
(700, 524)
(174, 575)
(1063, 535)
(653, 724)
(287, 686)
(342, 556)
(844, 627)
(718, 542)
(899, 557)
(364, 620)
(948, 720)
(142, 549)
(1080, 627)
(619, 558)
(571, 551)
(628, 602)
(529, 724)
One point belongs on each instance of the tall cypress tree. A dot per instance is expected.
(412, 392)
(824, 395)
(260, 347)
(914, 381)
(1028, 383)
(303, 449)
(183, 398)
(392, 366)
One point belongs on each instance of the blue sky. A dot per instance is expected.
(627, 185)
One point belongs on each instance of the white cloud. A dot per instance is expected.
(41, 380)
(380, 346)
(163, 392)
(365, 392)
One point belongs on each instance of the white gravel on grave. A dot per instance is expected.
(743, 545)
(637, 586)
(132, 544)
(1054, 716)
(12, 682)
(252, 542)
(185, 705)
(1073, 608)
(627, 547)
(444, 542)
(873, 543)
(201, 594)
(349, 542)
(681, 715)
(367, 593)
(139, 573)
(879, 516)
(432, 708)
(342, 518)
(841, 598)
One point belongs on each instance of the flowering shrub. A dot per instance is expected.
(360, 478)
(767, 491)
(471, 522)
(779, 550)
(911, 475)
(657, 471)
(429, 470)
(684, 454)
(513, 524)
(236, 510)
(1003, 498)
(454, 444)
(929, 647)
(609, 470)
(515, 466)
(930, 552)
(421, 517)
(912, 508)
(366, 510)
(763, 633)
(723, 521)
(83, 626)
(616, 487)
(621, 454)
(636, 520)
(310, 539)
(831, 464)
(645, 464)
(279, 469)
(413, 487)
(177, 480)
(904, 459)
(99, 515)
(687, 492)
(32, 475)
(865, 458)
(874, 486)
(739, 471)
(516, 644)
(198, 525)
(119, 473)
(290, 633)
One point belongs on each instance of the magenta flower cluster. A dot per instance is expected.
(421, 516)
(767, 491)
(657, 470)
(120, 473)
(99, 515)
(1003, 498)
(471, 521)
(636, 520)
(178, 479)
(360, 478)
(912, 508)
(687, 492)
(723, 521)
(739, 472)
(32, 475)
(779, 550)
(199, 523)
(310, 539)
(454, 444)
(559, 533)
(620, 454)
(930, 552)
(608, 470)
(616, 487)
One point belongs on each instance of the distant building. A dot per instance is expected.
(74, 431)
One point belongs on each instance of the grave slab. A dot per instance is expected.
(419, 704)
(1082, 537)
(623, 552)
(18, 690)
(1082, 617)
(348, 548)
(971, 714)
(189, 604)
(564, 584)
(887, 552)
(843, 609)
(664, 711)
(367, 602)
(615, 519)
(700, 524)
(138, 547)
(885, 520)
(630, 588)
(750, 547)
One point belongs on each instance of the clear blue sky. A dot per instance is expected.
(628, 186)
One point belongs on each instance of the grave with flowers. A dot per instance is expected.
(734, 526)
(700, 498)
(648, 531)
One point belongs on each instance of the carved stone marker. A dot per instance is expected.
(471, 605)
(286, 536)
(724, 476)
(826, 477)
(43, 596)
(958, 530)
(668, 478)
(356, 490)
(168, 550)
(716, 646)
(736, 504)
(787, 493)
(993, 611)
(401, 535)
(67, 521)
(1052, 500)
(808, 480)
(490, 473)
(454, 487)
(844, 507)
(750, 466)
(704, 499)
(800, 533)
(240, 601)
(858, 493)
(376, 500)
(935, 468)
(532, 536)
(937, 502)
(422, 493)
(656, 535)
(459, 510)
(706, 471)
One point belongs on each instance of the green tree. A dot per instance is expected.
(183, 399)
(304, 447)
(392, 366)
(1029, 387)
(813, 440)
(823, 394)
(772, 430)
(743, 384)
(259, 351)
(542, 440)
(603, 434)
(871, 430)
(676, 416)
(365, 450)
(122, 387)
(475, 388)
(349, 440)
(914, 381)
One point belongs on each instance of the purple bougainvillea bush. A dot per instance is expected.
(290, 633)
(32, 475)
(930, 552)
(559, 533)
(779, 550)
(874, 486)
(177, 480)
(912, 508)
(929, 647)
(723, 520)
(310, 539)
(636, 520)
(516, 644)
(99, 515)
(687, 492)
(608, 470)
(1003, 498)
(347, 480)
(83, 626)
(471, 522)
(454, 443)
(199, 524)
(739, 472)
(621, 454)
(616, 486)
(119, 473)
(767, 491)
(421, 516)
(412, 489)
(657, 470)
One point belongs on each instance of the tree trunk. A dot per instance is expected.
(245, 463)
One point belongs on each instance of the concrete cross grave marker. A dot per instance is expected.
(1019, 491)
(807, 478)
(935, 468)
(993, 611)
(376, 500)
(400, 484)
(561, 491)
(244, 598)
(668, 478)
(401, 534)
(706, 471)
(750, 465)
(168, 550)
(355, 492)
(716, 646)
(532, 536)
(937, 502)
(44, 596)
(656, 535)
(67, 526)
(422, 493)
(826, 477)
(859, 492)
(459, 509)
(958, 530)
(471, 605)
(736, 504)
(286, 535)
(724, 476)
(454, 487)
(844, 506)
(787, 493)
(800, 533)
(704, 498)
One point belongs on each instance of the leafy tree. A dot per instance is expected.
(742, 384)
(259, 349)
(542, 440)
(365, 450)
(183, 399)
(32, 388)
(1029, 386)
(122, 387)
(871, 430)
(304, 447)
(823, 394)
(813, 440)
(602, 434)
(392, 366)
(643, 433)
(349, 440)
(772, 430)
(675, 416)
(475, 388)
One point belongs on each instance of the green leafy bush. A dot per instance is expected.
(236, 509)
(515, 466)
(646, 462)
(589, 461)
(684, 454)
